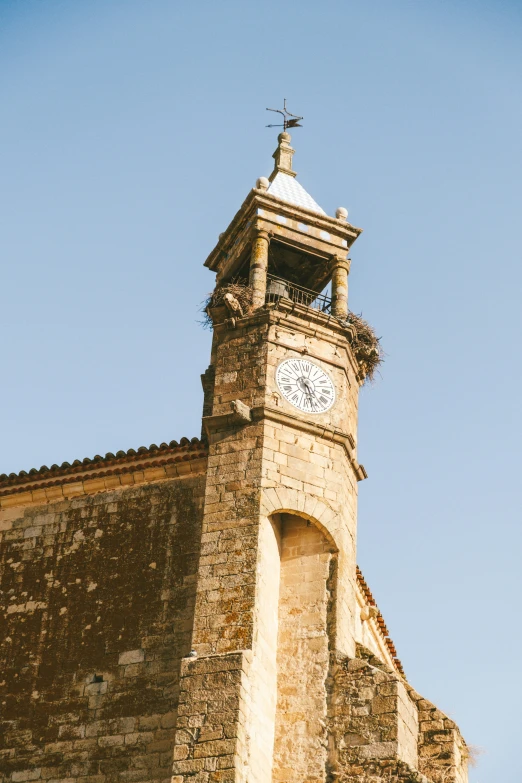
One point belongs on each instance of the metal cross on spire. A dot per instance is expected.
(289, 120)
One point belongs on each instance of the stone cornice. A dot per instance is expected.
(260, 199)
(271, 314)
(103, 481)
(322, 431)
(153, 457)
(309, 321)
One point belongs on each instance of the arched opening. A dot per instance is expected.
(305, 636)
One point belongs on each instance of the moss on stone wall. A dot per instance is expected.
(97, 600)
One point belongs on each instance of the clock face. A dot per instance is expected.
(305, 385)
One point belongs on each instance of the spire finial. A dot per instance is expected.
(284, 153)
(283, 156)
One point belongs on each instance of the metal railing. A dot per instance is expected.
(277, 288)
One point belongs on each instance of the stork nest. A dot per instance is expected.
(365, 343)
(366, 346)
(239, 290)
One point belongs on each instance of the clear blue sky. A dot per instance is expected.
(131, 132)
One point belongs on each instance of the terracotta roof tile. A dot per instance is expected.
(111, 463)
(380, 622)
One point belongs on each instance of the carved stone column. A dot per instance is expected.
(340, 269)
(259, 267)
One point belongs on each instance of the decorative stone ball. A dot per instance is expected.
(341, 213)
(284, 136)
(262, 183)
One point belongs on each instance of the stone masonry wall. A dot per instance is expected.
(212, 742)
(304, 471)
(374, 715)
(250, 560)
(270, 464)
(382, 731)
(232, 561)
(374, 722)
(96, 611)
(443, 754)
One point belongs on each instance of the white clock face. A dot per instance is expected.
(305, 385)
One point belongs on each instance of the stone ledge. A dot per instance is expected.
(104, 481)
(239, 414)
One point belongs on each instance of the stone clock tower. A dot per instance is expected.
(192, 612)
(276, 583)
(277, 612)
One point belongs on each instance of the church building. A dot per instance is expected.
(192, 612)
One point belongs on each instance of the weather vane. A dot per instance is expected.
(289, 120)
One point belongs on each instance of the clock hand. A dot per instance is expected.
(309, 387)
(311, 397)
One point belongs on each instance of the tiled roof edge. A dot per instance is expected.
(380, 621)
(185, 449)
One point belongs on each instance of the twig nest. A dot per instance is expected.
(233, 295)
(366, 346)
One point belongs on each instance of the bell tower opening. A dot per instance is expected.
(282, 245)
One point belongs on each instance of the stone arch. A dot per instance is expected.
(282, 500)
